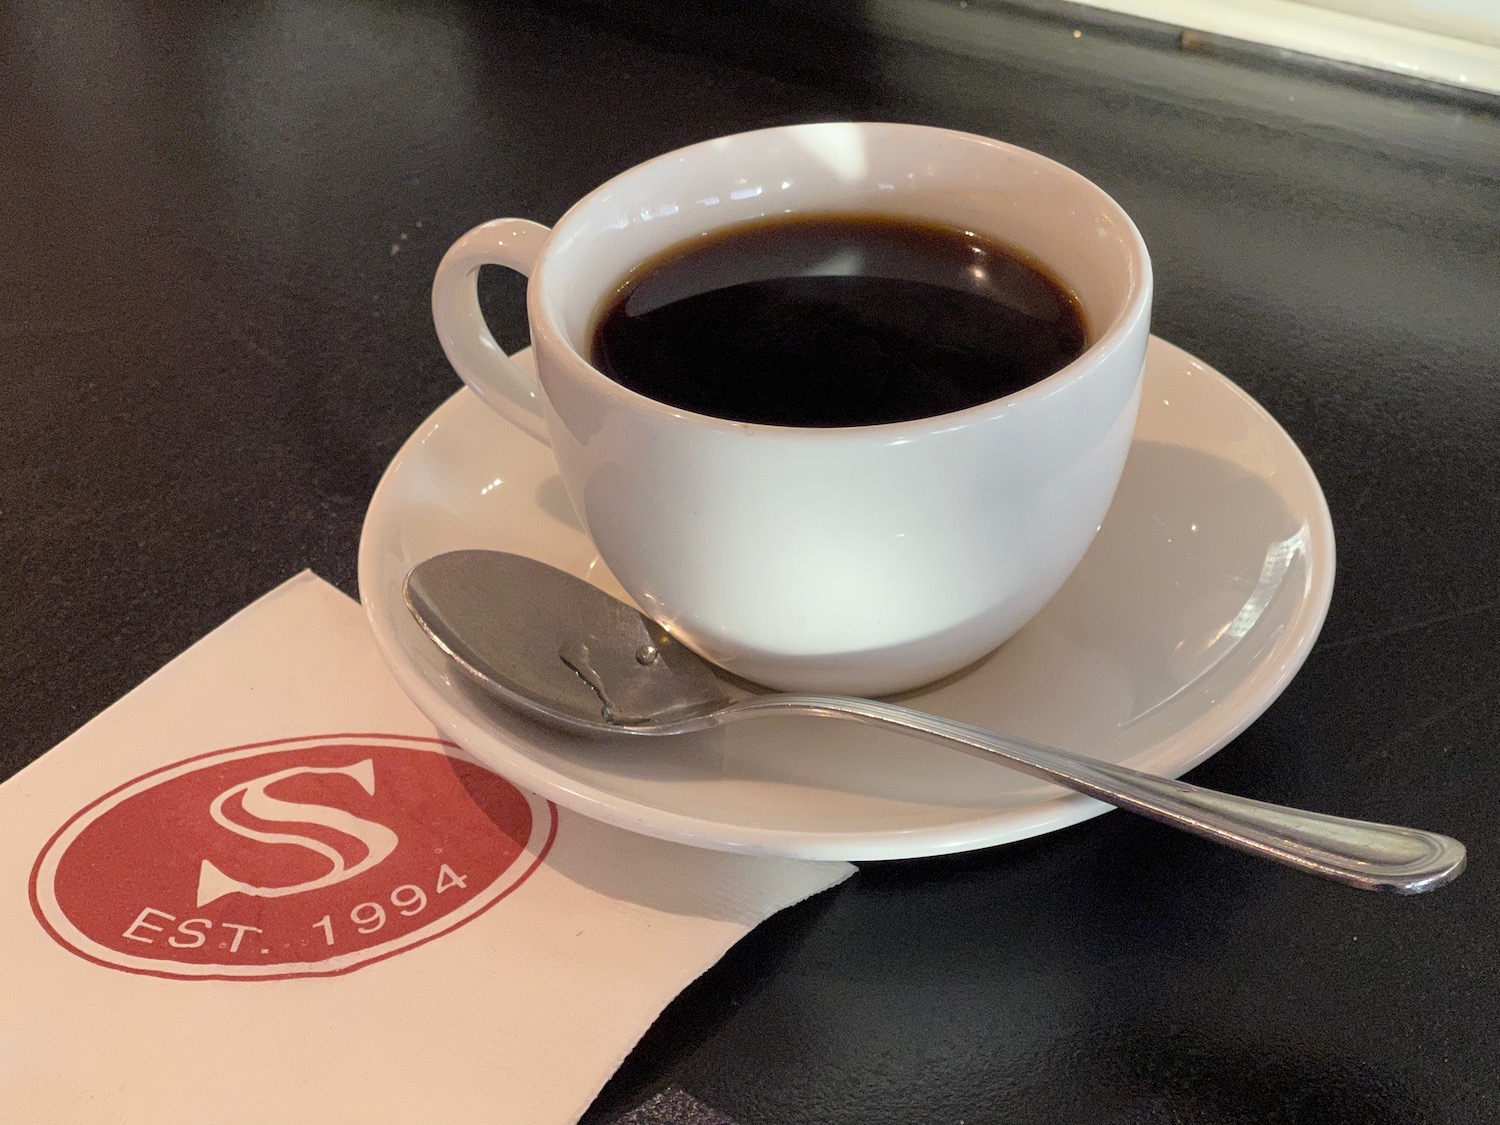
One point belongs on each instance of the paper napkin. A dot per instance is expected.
(260, 889)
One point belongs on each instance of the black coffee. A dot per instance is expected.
(836, 320)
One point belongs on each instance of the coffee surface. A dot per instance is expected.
(836, 320)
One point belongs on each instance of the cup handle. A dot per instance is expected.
(466, 339)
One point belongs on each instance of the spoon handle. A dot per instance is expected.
(1375, 857)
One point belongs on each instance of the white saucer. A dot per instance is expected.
(1194, 607)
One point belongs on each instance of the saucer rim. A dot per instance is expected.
(1251, 697)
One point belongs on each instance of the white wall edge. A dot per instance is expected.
(1331, 35)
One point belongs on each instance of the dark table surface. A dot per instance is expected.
(219, 230)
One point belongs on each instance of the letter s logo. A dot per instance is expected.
(430, 838)
(379, 841)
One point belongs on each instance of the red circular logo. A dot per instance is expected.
(302, 857)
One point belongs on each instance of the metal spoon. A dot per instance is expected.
(562, 650)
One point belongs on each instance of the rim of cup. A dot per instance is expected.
(1115, 336)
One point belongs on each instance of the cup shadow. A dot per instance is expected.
(552, 498)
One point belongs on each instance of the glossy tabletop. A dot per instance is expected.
(220, 230)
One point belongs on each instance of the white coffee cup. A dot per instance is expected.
(866, 559)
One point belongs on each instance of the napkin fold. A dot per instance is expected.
(259, 888)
